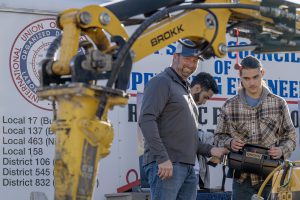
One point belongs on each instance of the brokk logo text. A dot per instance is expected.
(253, 155)
(166, 35)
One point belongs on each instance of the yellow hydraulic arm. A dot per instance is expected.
(83, 132)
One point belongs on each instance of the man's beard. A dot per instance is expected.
(196, 97)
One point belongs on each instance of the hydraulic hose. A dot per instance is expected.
(271, 175)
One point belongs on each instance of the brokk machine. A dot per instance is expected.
(83, 133)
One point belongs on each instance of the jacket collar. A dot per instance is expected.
(242, 95)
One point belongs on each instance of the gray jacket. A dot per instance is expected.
(168, 120)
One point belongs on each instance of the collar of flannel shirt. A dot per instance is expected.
(242, 94)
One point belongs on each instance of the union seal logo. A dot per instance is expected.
(29, 48)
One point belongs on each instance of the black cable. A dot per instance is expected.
(223, 178)
(212, 40)
(53, 47)
(215, 33)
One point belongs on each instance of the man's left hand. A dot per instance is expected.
(275, 152)
(219, 151)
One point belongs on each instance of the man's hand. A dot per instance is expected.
(236, 144)
(165, 170)
(275, 152)
(218, 151)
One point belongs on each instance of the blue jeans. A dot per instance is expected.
(245, 190)
(181, 186)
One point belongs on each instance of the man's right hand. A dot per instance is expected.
(165, 170)
(236, 144)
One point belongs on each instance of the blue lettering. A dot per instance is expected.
(294, 59)
(218, 80)
(137, 78)
(231, 86)
(231, 55)
(293, 88)
(218, 67)
(282, 86)
(277, 58)
(227, 64)
(268, 57)
(221, 68)
(192, 77)
(286, 57)
(273, 85)
(254, 54)
(171, 49)
(258, 56)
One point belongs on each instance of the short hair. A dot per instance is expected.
(206, 81)
(251, 62)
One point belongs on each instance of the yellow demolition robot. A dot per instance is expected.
(83, 132)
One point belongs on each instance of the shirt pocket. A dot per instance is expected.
(269, 129)
(241, 131)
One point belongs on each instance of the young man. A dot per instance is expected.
(255, 116)
(168, 120)
(203, 87)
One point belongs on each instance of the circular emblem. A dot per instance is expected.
(28, 50)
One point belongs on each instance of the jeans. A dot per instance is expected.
(245, 190)
(181, 186)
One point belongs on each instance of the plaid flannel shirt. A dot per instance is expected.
(268, 124)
